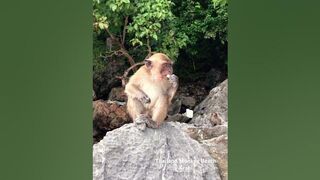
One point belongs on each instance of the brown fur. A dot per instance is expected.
(151, 83)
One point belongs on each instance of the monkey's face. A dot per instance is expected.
(159, 69)
(166, 69)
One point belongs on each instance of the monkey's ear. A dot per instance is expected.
(148, 63)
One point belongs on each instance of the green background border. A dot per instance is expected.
(45, 75)
(274, 90)
(45, 99)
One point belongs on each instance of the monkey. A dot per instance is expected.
(111, 43)
(150, 91)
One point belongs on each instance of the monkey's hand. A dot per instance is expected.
(142, 97)
(173, 79)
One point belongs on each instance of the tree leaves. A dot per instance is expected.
(113, 7)
(167, 26)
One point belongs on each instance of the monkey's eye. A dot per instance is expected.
(167, 65)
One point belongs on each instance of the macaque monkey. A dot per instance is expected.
(150, 91)
(111, 43)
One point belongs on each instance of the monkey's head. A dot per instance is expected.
(159, 66)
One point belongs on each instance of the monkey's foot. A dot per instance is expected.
(143, 121)
(140, 123)
(151, 124)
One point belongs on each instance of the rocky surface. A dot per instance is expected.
(214, 109)
(117, 94)
(201, 134)
(191, 94)
(168, 152)
(213, 78)
(218, 149)
(209, 126)
(175, 107)
(108, 115)
(188, 101)
(178, 118)
(164, 153)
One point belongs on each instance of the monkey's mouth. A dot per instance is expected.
(162, 76)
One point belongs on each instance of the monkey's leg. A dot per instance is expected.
(171, 93)
(160, 110)
(137, 112)
(135, 108)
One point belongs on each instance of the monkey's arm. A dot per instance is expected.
(172, 91)
(133, 91)
(174, 80)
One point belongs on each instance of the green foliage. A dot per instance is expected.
(151, 24)
(146, 23)
(205, 24)
(98, 63)
(167, 26)
(217, 22)
(202, 19)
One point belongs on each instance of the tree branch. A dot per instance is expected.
(149, 48)
(124, 30)
(128, 56)
(122, 48)
(110, 34)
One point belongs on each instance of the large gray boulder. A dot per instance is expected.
(209, 126)
(156, 154)
(218, 149)
(214, 140)
(214, 109)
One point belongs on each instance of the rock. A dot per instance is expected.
(175, 107)
(195, 90)
(108, 115)
(214, 140)
(164, 153)
(218, 149)
(209, 126)
(117, 94)
(178, 118)
(188, 101)
(214, 109)
(100, 109)
(200, 134)
(214, 77)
